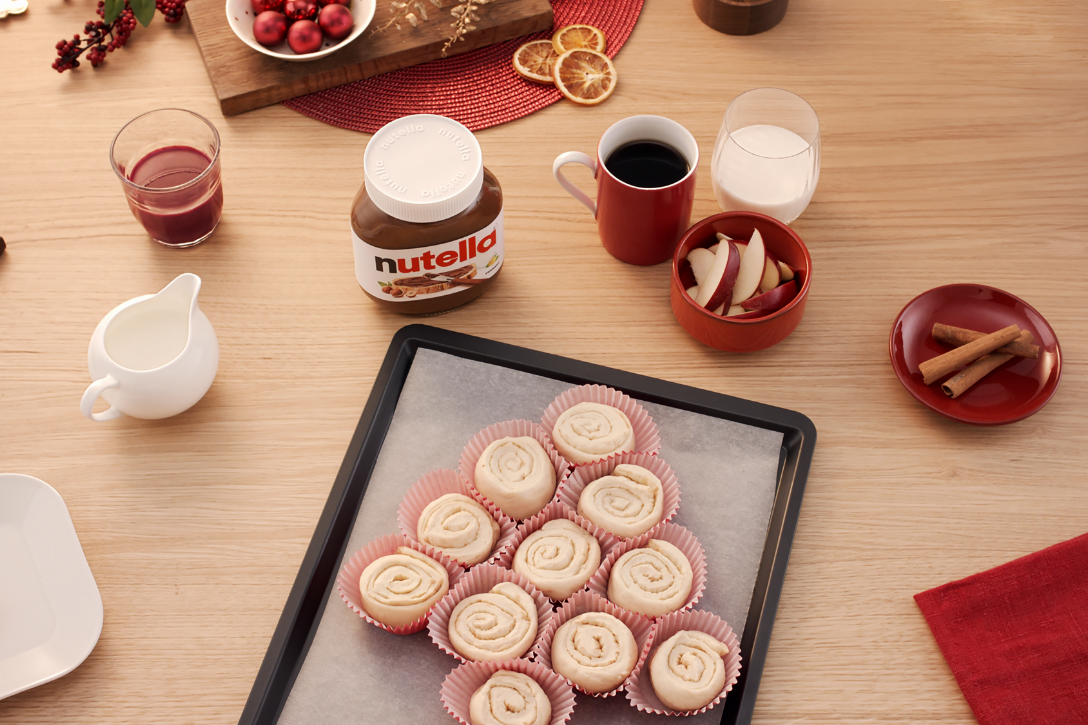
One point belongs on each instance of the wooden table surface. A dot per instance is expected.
(955, 149)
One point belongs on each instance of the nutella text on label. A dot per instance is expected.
(439, 270)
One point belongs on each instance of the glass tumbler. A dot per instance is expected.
(168, 164)
(767, 156)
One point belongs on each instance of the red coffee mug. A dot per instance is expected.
(637, 226)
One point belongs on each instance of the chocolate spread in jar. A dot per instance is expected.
(427, 226)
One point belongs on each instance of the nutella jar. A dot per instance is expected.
(427, 224)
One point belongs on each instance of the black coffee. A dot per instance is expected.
(647, 164)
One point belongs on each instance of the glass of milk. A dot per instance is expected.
(767, 157)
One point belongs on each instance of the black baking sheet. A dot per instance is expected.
(313, 587)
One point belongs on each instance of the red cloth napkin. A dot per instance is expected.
(1016, 637)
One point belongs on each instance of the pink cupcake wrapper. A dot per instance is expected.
(509, 428)
(347, 581)
(580, 603)
(582, 476)
(461, 684)
(640, 691)
(647, 439)
(435, 485)
(477, 580)
(554, 510)
(676, 535)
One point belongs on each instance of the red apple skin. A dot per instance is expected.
(687, 276)
(776, 299)
(752, 315)
(304, 37)
(725, 286)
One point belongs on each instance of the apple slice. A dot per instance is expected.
(785, 270)
(718, 285)
(723, 237)
(693, 292)
(772, 277)
(751, 269)
(753, 314)
(701, 261)
(719, 310)
(741, 246)
(776, 299)
(713, 248)
(735, 310)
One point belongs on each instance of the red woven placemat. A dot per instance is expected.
(480, 89)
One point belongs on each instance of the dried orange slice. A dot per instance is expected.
(535, 61)
(575, 37)
(585, 76)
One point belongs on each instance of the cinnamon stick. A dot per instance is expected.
(956, 386)
(938, 367)
(959, 336)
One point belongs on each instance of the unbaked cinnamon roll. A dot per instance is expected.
(588, 432)
(400, 588)
(627, 502)
(510, 698)
(458, 527)
(595, 651)
(559, 558)
(654, 580)
(497, 625)
(517, 475)
(687, 670)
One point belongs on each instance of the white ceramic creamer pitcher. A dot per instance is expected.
(153, 356)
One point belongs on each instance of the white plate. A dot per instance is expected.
(240, 18)
(50, 608)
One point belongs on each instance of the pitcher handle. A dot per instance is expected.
(575, 157)
(94, 390)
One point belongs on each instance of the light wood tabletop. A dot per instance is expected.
(954, 149)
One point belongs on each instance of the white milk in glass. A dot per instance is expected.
(766, 169)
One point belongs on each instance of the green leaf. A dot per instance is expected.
(144, 10)
(113, 9)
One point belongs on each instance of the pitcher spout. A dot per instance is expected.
(184, 290)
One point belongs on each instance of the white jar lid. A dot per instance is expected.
(423, 168)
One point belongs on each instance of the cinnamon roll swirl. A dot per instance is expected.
(687, 670)
(625, 503)
(510, 698)
(497, 625)
(595, 651)
(588, 432)
(654, 580)
(458, 527)
(559, 558)
(400, 588)
(517, 475)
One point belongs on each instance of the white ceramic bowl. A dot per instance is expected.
(240, 15)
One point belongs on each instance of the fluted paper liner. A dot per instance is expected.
(640, 691)
(478, 580)
(437, 484)
(347, 581)
(508, 429)
(554, 510)
(582, 476)
(676, 535)
(647, 439)
(460, 685)
(580, 603)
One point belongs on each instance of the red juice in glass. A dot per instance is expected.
(168, 163)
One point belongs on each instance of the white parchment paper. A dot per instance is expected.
(357, 673)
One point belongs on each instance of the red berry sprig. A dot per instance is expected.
(102, 37)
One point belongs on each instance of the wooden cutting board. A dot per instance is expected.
(245, 79)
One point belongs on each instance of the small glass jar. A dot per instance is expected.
(427, 225)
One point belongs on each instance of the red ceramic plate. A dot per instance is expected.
(1014, 391)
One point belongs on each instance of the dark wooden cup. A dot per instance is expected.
(741, 17)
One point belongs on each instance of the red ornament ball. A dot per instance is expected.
(305, 37)
(323, 3)
(259, 6)
(269, 28)
(300, 9)
(336, 21)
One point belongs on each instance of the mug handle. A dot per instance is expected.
(93, 391)
(575, 157)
